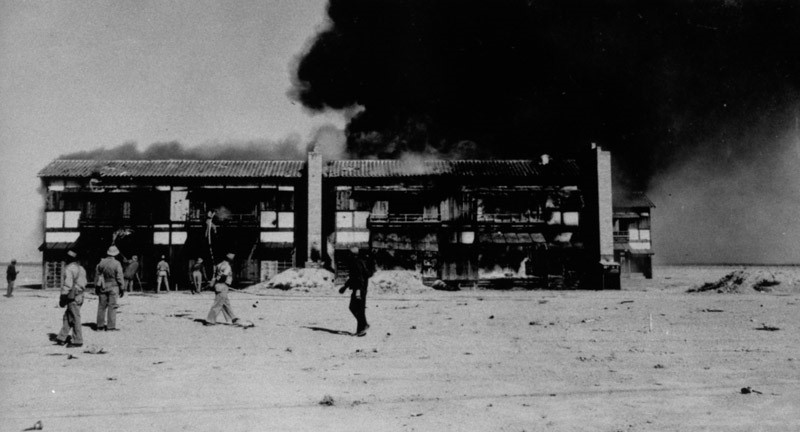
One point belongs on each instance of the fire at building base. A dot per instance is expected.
(498, 223)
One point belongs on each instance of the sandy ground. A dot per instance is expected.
(468, 360)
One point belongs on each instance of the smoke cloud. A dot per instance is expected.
(289, 148)
(698, 101)
(654, 81)
(722, 208)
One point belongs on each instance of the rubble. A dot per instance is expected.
(321, 280)
(760, 279)
(397, 282)
(294, 278)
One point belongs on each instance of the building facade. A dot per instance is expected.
(501, 222)
(633, 248)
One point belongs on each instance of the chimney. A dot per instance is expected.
(314, 202)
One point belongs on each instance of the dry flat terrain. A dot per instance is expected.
(651, 357)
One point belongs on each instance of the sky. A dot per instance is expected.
(78, 75)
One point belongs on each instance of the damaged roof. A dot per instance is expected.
(173, 168)
(631, 199)
(456, 168)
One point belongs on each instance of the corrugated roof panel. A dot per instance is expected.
(631, 199)
(458, 168)
(293, 168)
(173, 168)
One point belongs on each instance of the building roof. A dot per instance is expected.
(456, 168)
(173, 168)
(631, 199)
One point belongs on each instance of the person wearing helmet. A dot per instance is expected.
(109, 270)
(223, 279)
(72, 300)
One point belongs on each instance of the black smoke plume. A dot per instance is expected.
(655, 81)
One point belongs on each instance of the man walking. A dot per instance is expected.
(358, 279)
(130, 273)
(11, 277)
(223, 279)
(110, 271)
(72, 299)
(162, 273)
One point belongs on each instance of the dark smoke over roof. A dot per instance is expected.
(655, 81)
(287, 149)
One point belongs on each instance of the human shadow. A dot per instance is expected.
(92, 326)
(331, 331)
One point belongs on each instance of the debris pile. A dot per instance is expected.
(397, 282)
(758, 279)
(294, 278)
(320, 280)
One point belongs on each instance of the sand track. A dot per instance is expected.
(468, 360)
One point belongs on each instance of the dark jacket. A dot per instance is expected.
(358, 277)
(11, 272)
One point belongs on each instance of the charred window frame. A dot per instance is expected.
(285, 200)
(55, 201)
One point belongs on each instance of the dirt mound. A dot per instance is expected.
(397, 282)
(747, 280)
(309, 278)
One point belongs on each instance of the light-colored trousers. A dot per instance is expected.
(72, 321)
(108, 303)
(221, 303)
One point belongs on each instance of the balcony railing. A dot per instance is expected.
(403, 218)
(509, 218)
(621, 236)
(231, 217)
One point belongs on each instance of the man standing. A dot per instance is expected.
(11, 277)
(72, 299)
(130, 273)
(223, 279)
(358, 279)
(162, 273)
(110, 270)
(198, 275)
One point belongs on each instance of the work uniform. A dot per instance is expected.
(130, 274)
(198, 274)
(74, 284)
(110, 270)
(162, 271)
(223, 276)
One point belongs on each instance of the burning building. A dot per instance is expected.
(183, 210)
(536, 223)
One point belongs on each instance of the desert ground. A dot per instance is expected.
(650, 357)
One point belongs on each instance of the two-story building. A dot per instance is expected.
(633, 248)
(540, 223)
(179, 209)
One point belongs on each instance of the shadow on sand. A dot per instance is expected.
(327, 330)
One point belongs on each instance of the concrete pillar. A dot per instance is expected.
(314, 169)
(604, 204)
